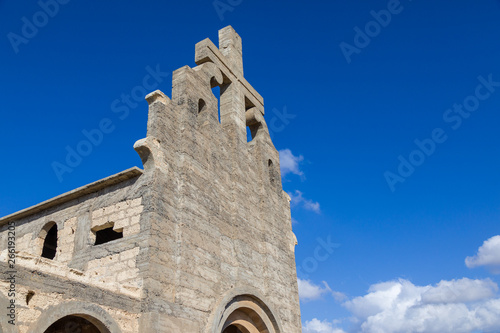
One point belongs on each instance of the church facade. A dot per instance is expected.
(198, 241)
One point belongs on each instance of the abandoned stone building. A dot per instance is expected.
(199, 241)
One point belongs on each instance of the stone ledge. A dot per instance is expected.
(76, 193)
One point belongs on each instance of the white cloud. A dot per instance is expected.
(488, 254)
(308, 291)
(456, 306)
(338, 296)
(289, 163)
(298, 199)
(460, 291)
(450, 306)
(317, 326)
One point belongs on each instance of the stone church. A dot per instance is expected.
(198, 241)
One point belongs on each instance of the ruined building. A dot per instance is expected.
(200, 241)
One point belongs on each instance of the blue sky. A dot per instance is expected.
(355, 90)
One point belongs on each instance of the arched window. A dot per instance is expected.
(49, 233)
(272, 172)
(201, 105)
(218, 91)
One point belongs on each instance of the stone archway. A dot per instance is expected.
(74, 316)
(245, 320)
(233, 329)
(244, 313)
(74, 324)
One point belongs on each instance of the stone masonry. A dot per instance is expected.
(200, 241)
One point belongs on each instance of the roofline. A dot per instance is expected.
(76, 193)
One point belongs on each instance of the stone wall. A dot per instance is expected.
(80, 271)
(222, 221)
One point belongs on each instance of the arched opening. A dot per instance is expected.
(253, 124)
(49, 248)
(68, 317)
(245, 320)
(272, 172)
(233, 329)
(217, 91)
(245, 314)
(73, 324)
(249, 134)
(201, 105)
